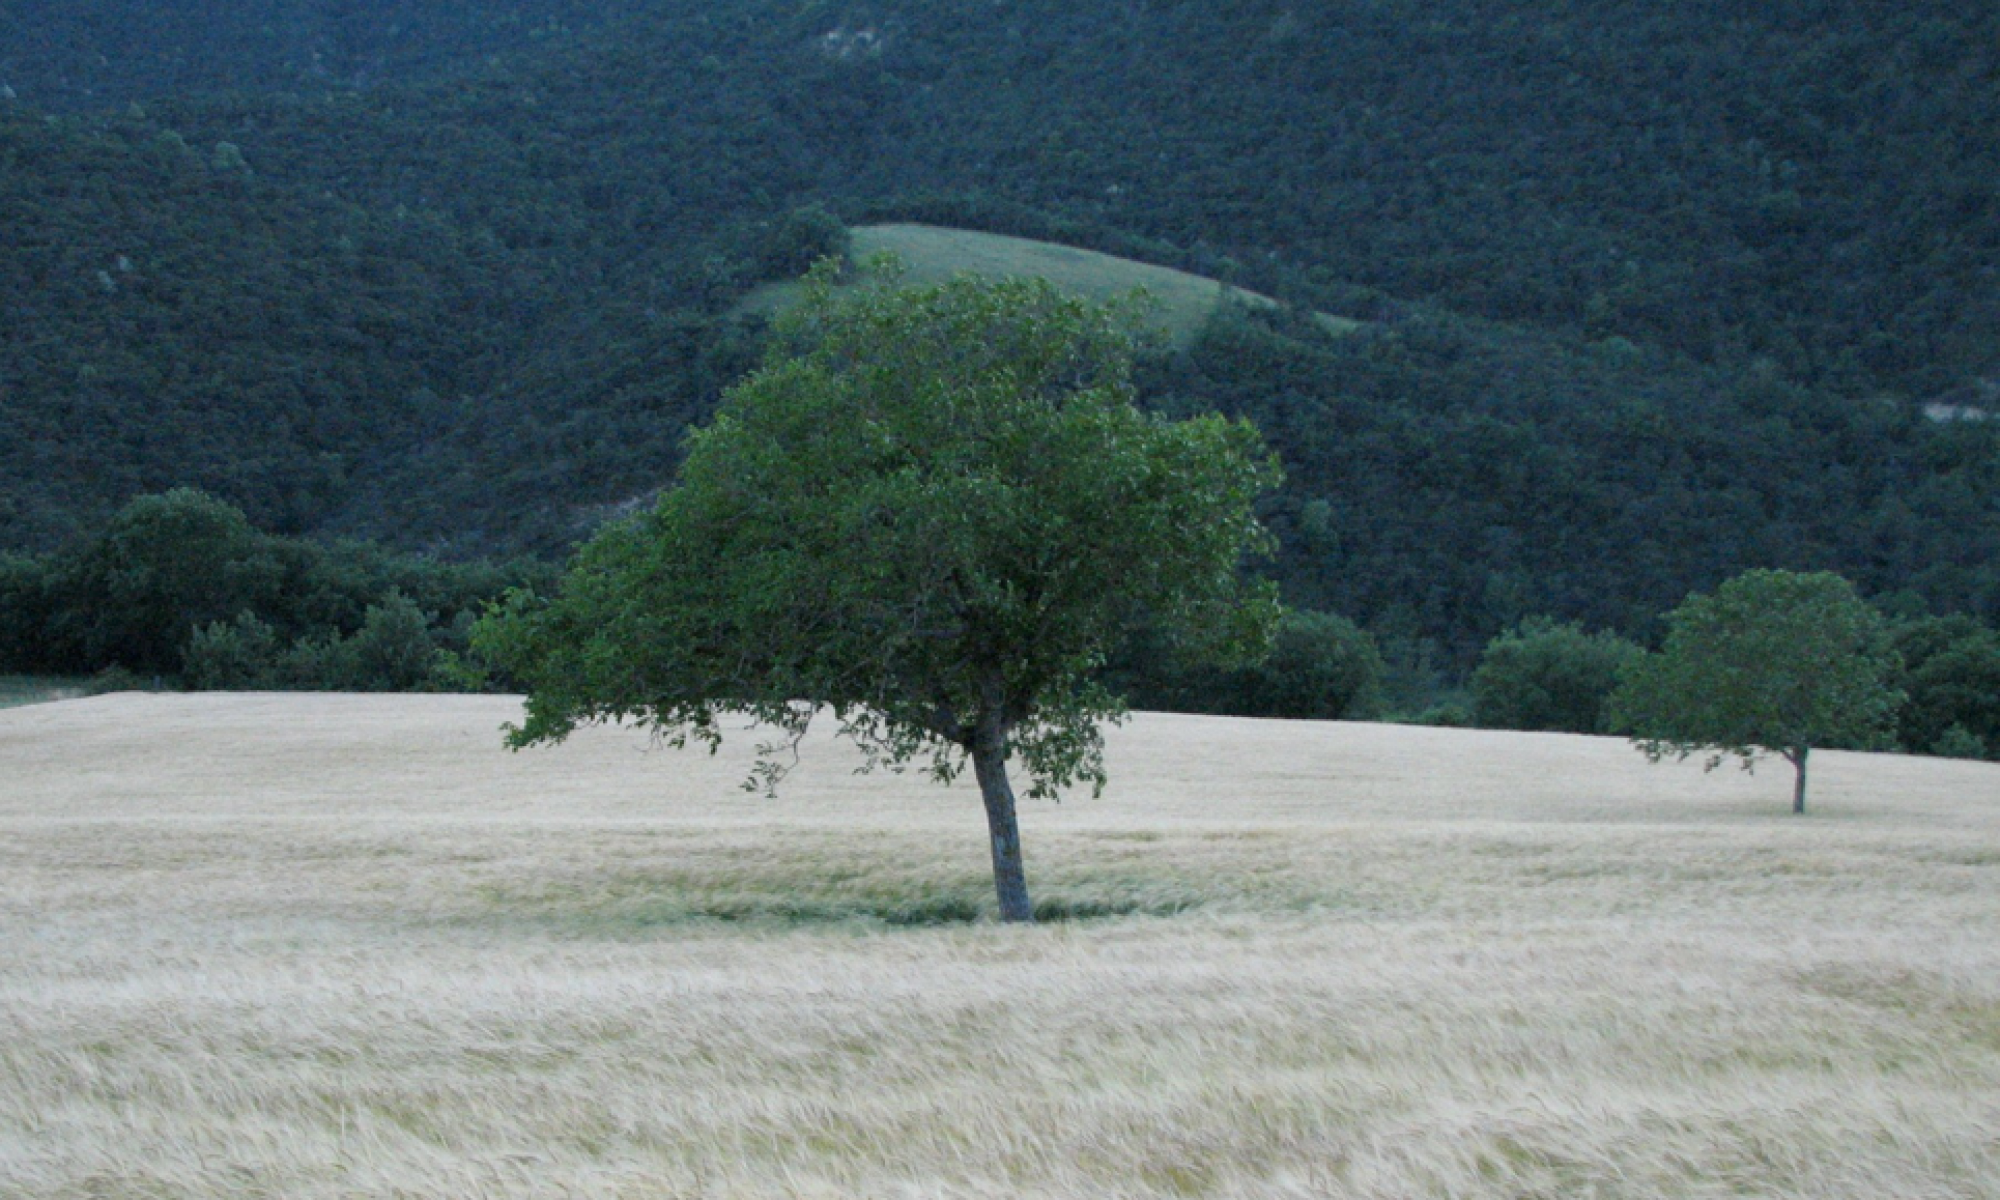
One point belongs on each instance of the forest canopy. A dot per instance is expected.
(1645, 298)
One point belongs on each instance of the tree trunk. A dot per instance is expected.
(1798, 757)
(989, 765)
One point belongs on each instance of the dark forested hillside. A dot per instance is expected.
(1449, 478)
(172, 319)
(78, 55)
(1813, 183)
(1655, 292)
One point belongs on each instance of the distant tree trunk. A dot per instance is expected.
(989, 765)
(1798, 757)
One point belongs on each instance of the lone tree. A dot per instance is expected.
(1774, 662)
(929, 514)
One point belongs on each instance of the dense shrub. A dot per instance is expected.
(1446, 714)
(1321, 666)
(1951, 676)
(1959, 742)
(164, 566)
(799, 239)
(1542, 675)
(25, 606)
(240, 655)
(394, 651)
(180, 586)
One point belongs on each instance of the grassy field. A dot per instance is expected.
(329, 946)
(934, 254)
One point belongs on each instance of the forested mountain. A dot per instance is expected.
(80, 55)
(1653, 292)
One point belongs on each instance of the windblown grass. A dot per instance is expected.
(933, 254)
(319, 946)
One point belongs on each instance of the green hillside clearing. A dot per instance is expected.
(932, 254)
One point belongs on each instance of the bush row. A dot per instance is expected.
(1549, 676)
(1543, 675)
(180, 589)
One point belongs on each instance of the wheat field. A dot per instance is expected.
(331, 946)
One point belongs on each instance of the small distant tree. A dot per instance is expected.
(1774, 662)
(929, 515)
(1544, 675)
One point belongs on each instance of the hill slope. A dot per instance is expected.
(1649, 296)
(1184, 303)
(1809, 181)
(80, 55)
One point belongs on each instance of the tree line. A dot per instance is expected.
(1546, 675)
(179, 589)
